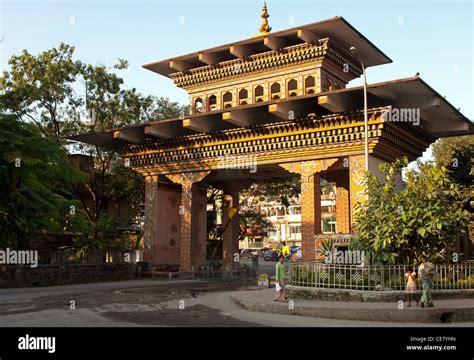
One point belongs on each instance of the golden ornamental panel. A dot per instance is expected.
(151, 210)
(357, 179)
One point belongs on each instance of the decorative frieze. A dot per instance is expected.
(271, 143)
(276, 138)
(289, 56)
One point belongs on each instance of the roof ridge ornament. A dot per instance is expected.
(265, 27)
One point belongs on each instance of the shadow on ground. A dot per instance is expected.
(197, 315)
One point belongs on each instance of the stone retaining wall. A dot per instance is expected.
(417, 315)
(301, 292)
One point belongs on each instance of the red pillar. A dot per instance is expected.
(190, 194)
(343, 216)
(185, 250)
(199, 226)
(151, 214)
(310, 214)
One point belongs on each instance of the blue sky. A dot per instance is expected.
(432, 37)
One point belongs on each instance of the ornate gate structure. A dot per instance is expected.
(279, 99)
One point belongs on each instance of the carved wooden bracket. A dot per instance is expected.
(307, 170)
(187, 180)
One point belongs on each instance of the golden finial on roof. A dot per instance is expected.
(264, 28)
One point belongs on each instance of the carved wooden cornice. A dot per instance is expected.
(338, 127)
(290, 56)
(276, 138)
(309, 138)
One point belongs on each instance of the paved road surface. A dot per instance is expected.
(264, 267)
(147, 303)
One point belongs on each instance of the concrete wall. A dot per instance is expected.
(374, 163)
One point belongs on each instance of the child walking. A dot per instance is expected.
(410, 288)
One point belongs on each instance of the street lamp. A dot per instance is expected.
(356, 53)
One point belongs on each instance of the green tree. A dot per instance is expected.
(252, 220)
(34, 178)
(285, 189)
(427, 216)
(65, 97)
(110, 107)
(37, 88)
(456, 154)
(126, 185)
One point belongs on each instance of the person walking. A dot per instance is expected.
(425, 274)
(280, 279)
(285, 251)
